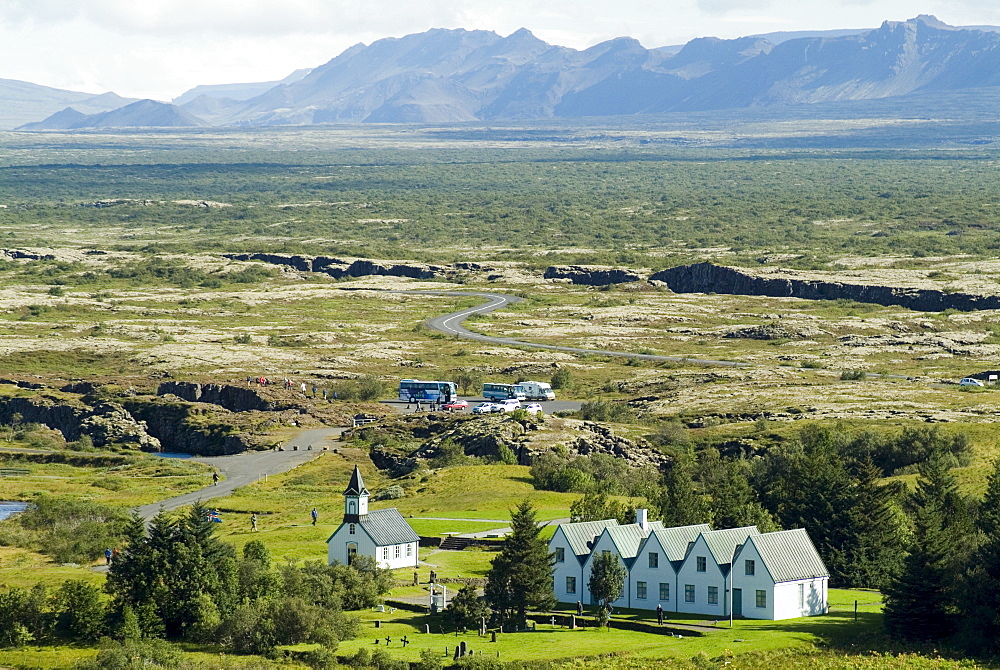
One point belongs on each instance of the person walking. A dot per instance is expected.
(659, 614)
(253, 522)
(215, 479)
(315, 515)
(107, 556)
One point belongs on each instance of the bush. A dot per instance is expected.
(562, 378)
(606, 410)
(393, 492)
(242, 338)
(853, 375)
(429, 660)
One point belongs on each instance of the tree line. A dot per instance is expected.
(176, 580)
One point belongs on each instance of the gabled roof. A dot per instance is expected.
(723, 543)
(385, 527)
(356, 487)
(675, 541)
(629, 538)
(789, 555)
(581, 535)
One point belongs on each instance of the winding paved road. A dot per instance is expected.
(249, 466)
(452, 325)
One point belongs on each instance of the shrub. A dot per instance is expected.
(242, 338)
(606, 410)
(852, 375)
(562, 378)
(393, 492)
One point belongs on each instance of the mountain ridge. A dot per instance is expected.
(458, 75)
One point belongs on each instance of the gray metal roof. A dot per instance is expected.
(387, 526)
(675, 541)
(723, 543)
(789, 555)
(629, 538)
(581, 535)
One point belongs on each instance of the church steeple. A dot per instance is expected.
(355, 498)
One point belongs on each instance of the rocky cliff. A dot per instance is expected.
(592, 275)
(106, 423)
(710, 278)
(233, 398)
(340, 268)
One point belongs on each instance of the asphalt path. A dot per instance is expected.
(248, 467)
(451, 324)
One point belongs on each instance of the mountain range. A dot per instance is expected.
(446, 76)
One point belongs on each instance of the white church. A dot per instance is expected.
(694, 569)
(382, 534)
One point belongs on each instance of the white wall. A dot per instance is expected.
(782, 598)
(688, 574)
(568, 567)
(641, 572)
(337, 549)
(603, 543)
(786, 598)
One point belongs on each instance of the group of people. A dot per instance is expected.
(110, 555)
(288, 384)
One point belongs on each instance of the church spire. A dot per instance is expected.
(355, 498)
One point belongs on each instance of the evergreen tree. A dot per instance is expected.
(521, 574)
(876, 534)
(679, 502)
(733, 502)
(466, 609)
(980, 601)
(920, 603)
(607, 581)
(917, 601)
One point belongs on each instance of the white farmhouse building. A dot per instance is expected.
(382, 534)
(694, 569)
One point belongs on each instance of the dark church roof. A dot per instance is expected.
(356, 487)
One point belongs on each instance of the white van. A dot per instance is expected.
(536, 390)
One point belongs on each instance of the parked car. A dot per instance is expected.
(533, 408)
(508, 405)
(971, 381)
(456, 405)
(486, 408)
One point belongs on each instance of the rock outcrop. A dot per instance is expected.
(233, 398)
(711, 278)
(592, 275)
(105, 423)
(340, 268)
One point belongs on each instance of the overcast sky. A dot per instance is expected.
(161, 48)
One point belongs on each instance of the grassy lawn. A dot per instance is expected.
(554, 642)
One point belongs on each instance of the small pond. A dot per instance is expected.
(7, 508)
(171, 454)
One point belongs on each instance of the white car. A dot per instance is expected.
(508, 405)
(533, 408)
(486, 408)
(970, 381)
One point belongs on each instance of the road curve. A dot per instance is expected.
(247, 467)
(451, 324)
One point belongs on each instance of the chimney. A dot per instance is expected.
(640, 518)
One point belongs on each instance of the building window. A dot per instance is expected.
(352, 550)
(700, 564)
(761, 598)
(713, 595)
(351, 508)
(351, 529)
(654, 559)
(560, 555)
(689, 593)
(664, 591)
(385, 553)
(749, 567)
(409, 549)
(640, 590)
(802, 596)
(398, 551)
(571, 585)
